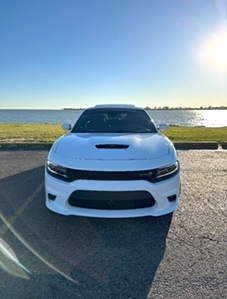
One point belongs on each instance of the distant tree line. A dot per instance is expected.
(187, 108)
(170, 108)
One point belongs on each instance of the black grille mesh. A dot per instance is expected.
(148, 175)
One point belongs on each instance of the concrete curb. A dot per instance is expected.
(196, 145)
(24, 146)
(178, 146)
(224, 145)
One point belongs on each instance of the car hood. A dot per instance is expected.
(112, 146)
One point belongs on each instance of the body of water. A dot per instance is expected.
(208, 118)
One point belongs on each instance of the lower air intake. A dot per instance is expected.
(111, 200)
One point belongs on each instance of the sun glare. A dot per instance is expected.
(214, 51)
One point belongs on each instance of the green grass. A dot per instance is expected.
(30, 132)
(178, 133)
(33, 132)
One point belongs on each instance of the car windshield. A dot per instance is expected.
(114, 121)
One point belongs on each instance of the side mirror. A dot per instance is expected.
(163, 126)
(66, 126)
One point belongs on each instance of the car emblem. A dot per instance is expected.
(150, 173)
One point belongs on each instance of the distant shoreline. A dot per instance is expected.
(146, 108)
(168, 108)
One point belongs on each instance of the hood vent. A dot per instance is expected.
(112, 146)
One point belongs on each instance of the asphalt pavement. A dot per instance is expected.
(45, 255)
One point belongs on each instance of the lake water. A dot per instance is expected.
(208, 118)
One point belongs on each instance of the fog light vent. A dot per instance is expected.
(51, 196)
(172, 197)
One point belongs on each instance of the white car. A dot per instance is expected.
(113, 163)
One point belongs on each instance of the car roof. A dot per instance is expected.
(120, 106)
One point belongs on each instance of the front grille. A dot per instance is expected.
(111, 200)
(75, 174)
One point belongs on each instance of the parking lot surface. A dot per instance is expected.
(46, 255)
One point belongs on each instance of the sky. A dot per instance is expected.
(77, 53)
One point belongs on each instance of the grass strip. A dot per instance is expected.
(45, 132)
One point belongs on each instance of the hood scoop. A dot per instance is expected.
(112, 146)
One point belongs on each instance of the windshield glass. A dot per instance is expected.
(114, 121)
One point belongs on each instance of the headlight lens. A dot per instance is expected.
(56, 169)
(167, 170)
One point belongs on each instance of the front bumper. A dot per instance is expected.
(165, 194)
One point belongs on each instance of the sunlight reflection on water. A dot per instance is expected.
(207, 118)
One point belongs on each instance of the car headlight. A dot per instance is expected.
(167, 170)
(56, 169)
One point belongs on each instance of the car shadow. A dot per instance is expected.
(75, 257)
